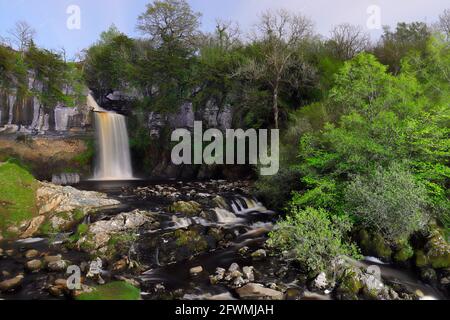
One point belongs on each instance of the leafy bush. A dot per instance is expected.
(388, 201)
(313, 237)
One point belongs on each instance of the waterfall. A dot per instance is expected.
(114, 160)
(113, 154)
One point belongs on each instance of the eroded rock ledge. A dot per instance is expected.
(62, 207)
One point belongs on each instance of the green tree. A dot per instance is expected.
(388, 201)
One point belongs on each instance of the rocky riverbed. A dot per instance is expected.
(173, 240)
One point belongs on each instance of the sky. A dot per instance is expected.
(50, 17)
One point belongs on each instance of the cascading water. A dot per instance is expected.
(113, 154)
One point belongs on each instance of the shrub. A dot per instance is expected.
(313, 237)
(389, 201)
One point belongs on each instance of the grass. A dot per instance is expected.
(17, 195)
(118, 290)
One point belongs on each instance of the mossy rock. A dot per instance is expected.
(350, 285)
(118, 290)
(374, 244)
(421, 259)
(403, 253)
(17, 196)
(380, 247)
(438, 252)
(190, 208)
(191, 239)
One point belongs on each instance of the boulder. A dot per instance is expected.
(320, 282)
(11, 284)
(100, 233)
(33, 265)
(259, 254)
(57, 199)
(31, 254)
(57, 266)
(257, 291)
(190, 208)
(248, 273)
(196, 270)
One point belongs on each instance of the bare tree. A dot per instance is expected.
(444, 23)
(22, 35)
(347, 41)
(280, 34)
(227, 33)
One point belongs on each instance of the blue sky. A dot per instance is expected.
(49, 17)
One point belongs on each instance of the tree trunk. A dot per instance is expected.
(275, 107)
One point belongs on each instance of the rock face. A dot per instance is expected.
(29, 115)
(47, 155)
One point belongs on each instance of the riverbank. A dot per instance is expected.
(177, 240)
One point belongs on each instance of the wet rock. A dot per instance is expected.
(293, 294)
(49, 259)
(33, 265)
(57, 266)
(11, 284)
(248, 273)
(257, 291)
(234, 267)
(196, 270)
(61, 283)
(10, 252)
(56, 291)
(218, 276)
(238, 281)
(428, 275)
(259, 254)
(320, 282)
(445, 281)
(99, 234)
(243, 251)
(31, 254)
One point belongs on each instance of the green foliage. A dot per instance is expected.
(108, 63)
(17, 195)
(313, 237)
(82, 230)
(388, 201)
(117, 290)
(377, 120)
(86, 158)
